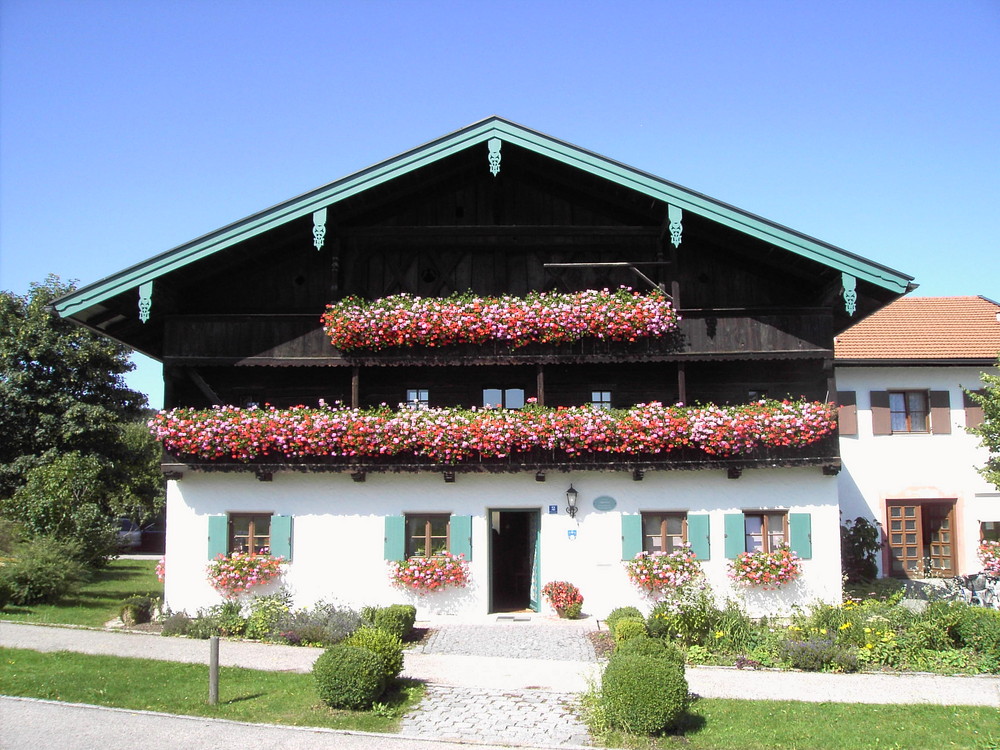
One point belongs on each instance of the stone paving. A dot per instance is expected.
(535, 718)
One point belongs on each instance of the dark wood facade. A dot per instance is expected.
(241, 324)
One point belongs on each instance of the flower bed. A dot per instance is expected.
(423, 574)
(403, 320)
(451, 435)
(659, 573)
(766, 570)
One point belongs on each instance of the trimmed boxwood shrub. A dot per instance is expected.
(653, 648)
(643, 695)
(396, 618)
(629, 627)
(388, 647)
(349, 677)
(616, 614)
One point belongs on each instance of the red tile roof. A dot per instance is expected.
(921, 328)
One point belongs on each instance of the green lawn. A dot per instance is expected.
(281, 698)
(99, 600)
(244, 694)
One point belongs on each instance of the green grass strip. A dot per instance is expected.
(144, 684)
(99, 600)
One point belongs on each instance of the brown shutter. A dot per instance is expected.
(940, 412)
(973, 411)
(847, 412)
(881, 419)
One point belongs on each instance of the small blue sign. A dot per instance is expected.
(571, 533)
(553, 510)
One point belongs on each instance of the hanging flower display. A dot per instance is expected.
(989, 556)
(235, 574)
(451, 435)
(766, 570)
(423, 574)
(403, 320)
(659, 573)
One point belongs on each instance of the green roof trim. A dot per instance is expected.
(481, 132)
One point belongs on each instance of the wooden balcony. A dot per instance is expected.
(298, 340)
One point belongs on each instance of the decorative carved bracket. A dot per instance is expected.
(145, 300)
(676, 227)
(494, 146)
(319, 228)
(850, 293)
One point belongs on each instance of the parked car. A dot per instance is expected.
(154, 536)
(129, 534)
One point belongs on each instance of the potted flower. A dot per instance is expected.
(235, 574)
(766, 570)
(424, 574)
(660, 573)
(989, 556)
(564, 597)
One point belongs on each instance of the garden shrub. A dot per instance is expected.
(176, 623)
(265, 611)
(629, 627)
(5, 592)
(136, 610)
(388, 647)
(690, 621)
(396, 618)
(231, 622)
(653, 648)
(819, 654)
(204, 624)
(643, 695)
(324, 624)
(44, 571)
(616, 614)
(979, 628)
(349, 677)
(735, 632)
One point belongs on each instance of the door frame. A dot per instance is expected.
(924, 553)
(535, 585)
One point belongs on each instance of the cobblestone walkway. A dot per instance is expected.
(507, 717)
(503, 717)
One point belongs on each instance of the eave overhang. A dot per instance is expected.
(894, 282)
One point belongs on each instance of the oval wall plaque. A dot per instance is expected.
(605, 502)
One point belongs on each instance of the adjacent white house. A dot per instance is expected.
(908, 461)
(406, 461)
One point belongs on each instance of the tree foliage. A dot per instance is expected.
(62, 393)
(989, 430)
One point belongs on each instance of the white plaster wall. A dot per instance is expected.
(339, 530)
(918, 465)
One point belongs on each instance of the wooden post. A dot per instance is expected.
(681, 384)
(355, 386)
(213, 670)
(540, 384)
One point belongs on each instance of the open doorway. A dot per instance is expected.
(921, 538)
(514, 542)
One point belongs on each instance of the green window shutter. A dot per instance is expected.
(698, 526)
(631, 536)
(735, 535)
(281, 536)
(395, 538)
(218, 536)
(800, 533)
(460, 532)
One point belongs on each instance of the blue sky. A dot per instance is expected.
(130, 127)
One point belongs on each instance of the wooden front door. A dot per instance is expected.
(921, 541)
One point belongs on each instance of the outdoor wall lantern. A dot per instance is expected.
(571, 496)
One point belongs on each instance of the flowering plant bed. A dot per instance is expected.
(766, 570)
(403, 320)
(452, 435)
(564, 597)
(660, 573)
(989, 556)
(423, 574)
(235, 574)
